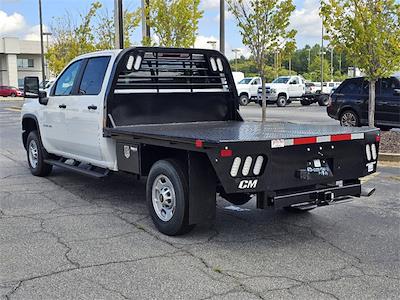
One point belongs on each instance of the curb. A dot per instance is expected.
(389, 157)
(10, 99)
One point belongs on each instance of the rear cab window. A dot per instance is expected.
(93, 76)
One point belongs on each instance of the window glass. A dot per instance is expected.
(281, 80)
(294, 81)
(388, 86)
(93, 76)
(25, 63)
(66, 81)
(351, 87)
(245, 81)
(257, 82)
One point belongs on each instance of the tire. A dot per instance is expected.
(305, 102)
(236, 199)
(36, 155)
(167, 197)
(323, 100)
(244, 100)
(298, 210)
(281, 101)
(13, 95)
(349, 118)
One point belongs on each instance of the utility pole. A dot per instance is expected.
(47, 34)
(332, 64)
(322, 56)
(119, 27)
(309, 59)
(145, 20)
(340, 63)
(41, 44)
(290, 65)
(236, 51)
(222, 26)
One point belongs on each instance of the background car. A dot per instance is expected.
(349, 103)
(6, 91)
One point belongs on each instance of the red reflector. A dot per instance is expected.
(225, 153)
(306, 140)
(198, 143)
(340, 137)
(378, 138)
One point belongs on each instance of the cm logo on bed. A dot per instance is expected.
(248, 184)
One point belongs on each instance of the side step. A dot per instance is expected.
(80, 168)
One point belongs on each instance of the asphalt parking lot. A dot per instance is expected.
(69, 236)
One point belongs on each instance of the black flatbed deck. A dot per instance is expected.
(230, 131)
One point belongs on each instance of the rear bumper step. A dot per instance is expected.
(319, 197)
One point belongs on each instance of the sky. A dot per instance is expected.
(20, 18)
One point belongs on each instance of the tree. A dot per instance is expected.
(314, 73)
(369, 31)
(174, 22)
(263, 26)
(89, 34)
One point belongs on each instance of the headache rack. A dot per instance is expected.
(171, 72)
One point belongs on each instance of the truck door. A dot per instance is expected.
(84, 113)
(296, 89)
(54, 127)
(255, 84)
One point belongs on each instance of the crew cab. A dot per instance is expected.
(172, 115)
(247, 89)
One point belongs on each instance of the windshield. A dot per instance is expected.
(245, 81)
(281, 80)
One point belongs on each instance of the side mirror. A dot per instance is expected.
(31, 87)
(43, 98)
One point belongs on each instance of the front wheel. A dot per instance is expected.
(244, 100)
(323, 100)
(281, 101)
(36, 155)
(349, 118)
(167, 197)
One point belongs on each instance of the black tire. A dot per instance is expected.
(281, 101)
(179, 222)
(298, 210)
(236, 199)
(305, 102)
(244, 100)
(40, 168)
(13, 95)
(323, 100)
(349, 118)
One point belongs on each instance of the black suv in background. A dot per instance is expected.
(349, 103)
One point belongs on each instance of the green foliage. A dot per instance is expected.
(314, 73)
(370, 33)
(89, 34)
(174, 22)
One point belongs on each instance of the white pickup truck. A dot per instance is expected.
(247, 89)
(172, 115)
(284, 89)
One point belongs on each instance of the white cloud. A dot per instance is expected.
(33, 33)
(306, 20)
(11, 24)
(209, 4)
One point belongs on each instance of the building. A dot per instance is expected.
(19, 58)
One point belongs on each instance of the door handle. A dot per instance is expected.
(94, 107)
(62, 106)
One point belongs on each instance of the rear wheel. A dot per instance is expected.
(36, 155)
(323, 100)
(244, 100)
(305, 102)
(13, 95)
(349, 118)
(281, 101)
(167, 197)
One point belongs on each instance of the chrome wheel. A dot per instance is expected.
(348, 119)
(163, 198)
(33, 154)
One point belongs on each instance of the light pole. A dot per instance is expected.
(309, 59)
(322, 56)
(222, 26)
(47, 34)
(41, 44)
(145, 21)
(331, 48)
(213, 44)
(236, 51)
(119, 28)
